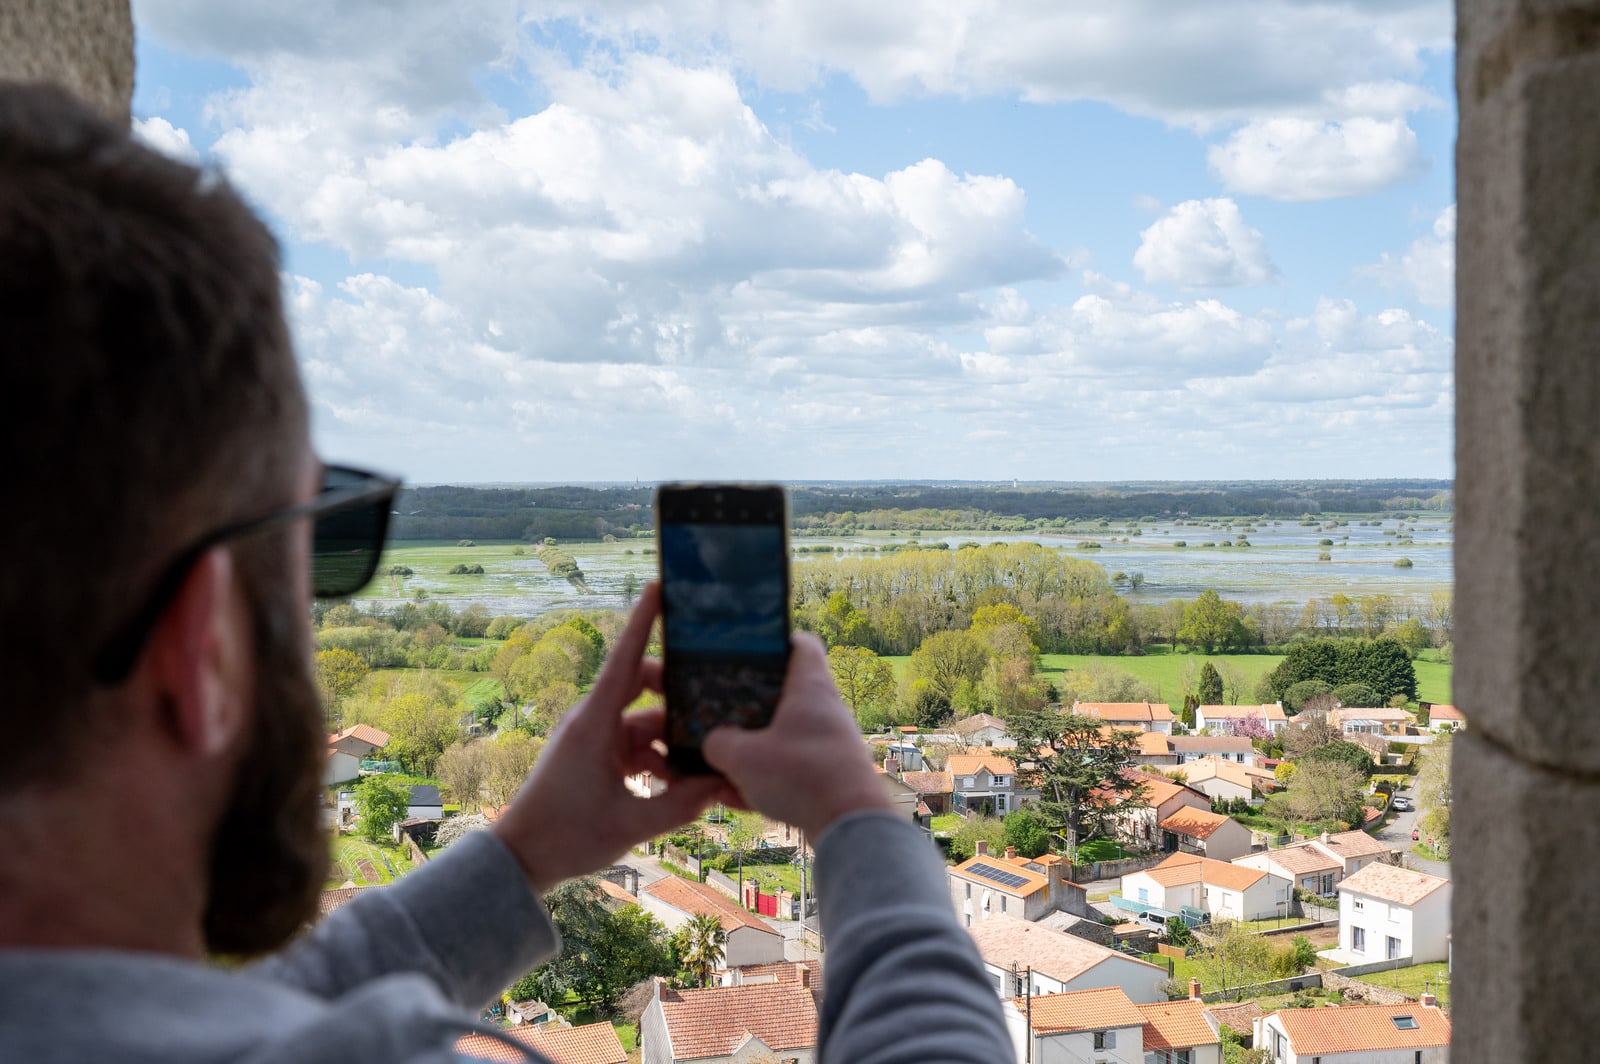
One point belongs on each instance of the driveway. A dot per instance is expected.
(1397, 835)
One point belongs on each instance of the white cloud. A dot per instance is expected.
(166, 138)
(1302, 159)
(1426, 269)
(1204, 244)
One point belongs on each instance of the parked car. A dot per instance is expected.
(1400, 804)
(1155, 919)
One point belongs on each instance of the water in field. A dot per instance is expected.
(1280, 565)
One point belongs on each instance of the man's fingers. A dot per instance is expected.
(684, 800)
(622, 665)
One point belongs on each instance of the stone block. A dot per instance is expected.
(83, 45)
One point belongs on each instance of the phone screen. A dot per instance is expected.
(725, 617)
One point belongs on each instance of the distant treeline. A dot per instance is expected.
(577, 513)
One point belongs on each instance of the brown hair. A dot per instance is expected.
(150, 392)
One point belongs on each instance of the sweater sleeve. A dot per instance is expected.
(466, 920)
(904, 981)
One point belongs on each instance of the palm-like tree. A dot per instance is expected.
(706, 945)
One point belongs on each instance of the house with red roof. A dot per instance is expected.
(592, 1043)
(1442, 717)
(1356, 1034)
(1200, 831)
(1225, 720)
(1029, 888)
(346, 749)
(1106, 1025)
(1129, 716)
(1139, 825)
(1387, 912)
(675, 901)
(985, 784)
(1223, 890)
(742, 1024)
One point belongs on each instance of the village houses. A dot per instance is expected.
(1387, 912)
(1106, 1026)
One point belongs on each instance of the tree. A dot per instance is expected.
(1326, 790)
(1309, 731)
(946, 660)
(702, 946)
(507, 762)
(461, 770)
(339, 672)
(1356, 694)
(1210, 688)
(382, 802)
(1027, 831)
(1433, 787)
(453, 829)
(964, 839)
(1234, 959)
(865, 681)
(1298, 694)
(1344, 752)
(630, 588)
(1067, 759)
(1212, 623)
(602, 952)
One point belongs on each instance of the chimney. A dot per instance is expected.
(891, 765)
(1324, 838)
(1011, 851)
(1194, 989)
(658, 988)
(804, 972)
(983, 847)
(1427, 1001)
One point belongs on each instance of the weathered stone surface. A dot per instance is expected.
(1528, 400)
(1525, 922)
(85, 45)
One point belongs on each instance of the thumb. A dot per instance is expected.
(724, 748)
(683, 801)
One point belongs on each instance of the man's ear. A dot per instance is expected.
(200, 657)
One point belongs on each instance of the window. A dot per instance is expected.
(1357, 905)
(1105, 1040)
(1393, 952)
(1144, 894)
(1002, 903)
(1358, 939)
(1405, 1022)
(969, 890)
(1394, 914)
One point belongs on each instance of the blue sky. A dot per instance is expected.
(807, 239)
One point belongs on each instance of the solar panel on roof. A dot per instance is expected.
(1010, 879)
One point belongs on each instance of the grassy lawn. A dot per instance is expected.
(1273, 924)
(1433, 681)
(382, 859)
(1100, 850)
(771, 877)
(946, 821)
(1433, 977)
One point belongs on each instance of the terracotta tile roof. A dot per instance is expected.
(1177, 1025)
(592, 1043)
(1183, 868)
(1210, 768)
(713, 1023)
(1240, 1017)
(786, 973)
(1267, 711)
(977, 722)
(969, 764)
(1369, 814)
(1301, 859)
(337, 898)
(1196, 823)
(1032, 881)
(1081, 1010)
(927, 782)
(1158, 790)
(1005, 940)
(1344, 714)
(1349, 844)
(1391, 883)
(1233, 744)
(1362, 1028)
(613, 891)
(365, 732)
(1154, 744)
(1442, 711)
(1143, 712)
(699, 898)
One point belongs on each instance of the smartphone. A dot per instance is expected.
(724, 551)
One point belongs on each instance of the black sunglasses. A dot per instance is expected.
(351, 520)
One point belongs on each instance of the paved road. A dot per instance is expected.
(1397, 834)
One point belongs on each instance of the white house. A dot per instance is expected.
(346, 749)
(1060, 962)
(1356, 1034)
(748, 1024)
(983, 729)
(674, 900)
(1387, 913)
(1224, 719)
(1104, 1025)
(1029, 888)
(984, 783)
(424, 802)
(1220, 780)
(1131, 716)
(1208, 834)
(1319, 864)
(1235, 748)
(1140, 825)
(1375, 720)
(1223, 890)
(1443, 717)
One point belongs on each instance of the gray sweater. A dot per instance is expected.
(397, 974)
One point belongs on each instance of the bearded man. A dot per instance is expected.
(162, 747)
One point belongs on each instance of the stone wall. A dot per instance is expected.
(84, 45)
(1527, 530)
(1354, 988)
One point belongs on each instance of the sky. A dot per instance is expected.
(1044, 240)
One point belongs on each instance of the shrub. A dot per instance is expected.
(1402, 563)
(465, 543)
(1324, 557)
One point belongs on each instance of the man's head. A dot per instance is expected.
(151, 398)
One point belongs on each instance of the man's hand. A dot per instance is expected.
(809, 766)
(574, 816)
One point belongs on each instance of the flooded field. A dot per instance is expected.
(1281, 563)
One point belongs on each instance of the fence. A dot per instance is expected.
(1115, 869)
(1357, 988)
(1275, 986)
(1375, 966)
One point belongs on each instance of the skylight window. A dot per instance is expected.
(1406, 1023)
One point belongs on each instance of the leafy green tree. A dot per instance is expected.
(1234, 960)
(1027, 831)
(603, 952)
(1344, 752)
(1324, 791)
(339, 672)
(1212, 623)
(382, 802)
(865, 681)
(945, 660)
(461, 770)
(630, 588)
(702, 946)
(964, 839)
(1433, 787)
(930, 709)
(1178, 933)
(1296, 697)
(1067, 759)
(1210, 689)
(1356, 694)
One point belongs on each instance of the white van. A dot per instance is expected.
(1155, 919)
